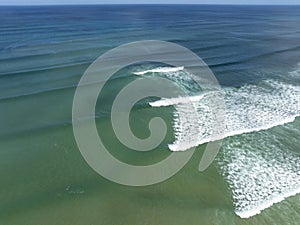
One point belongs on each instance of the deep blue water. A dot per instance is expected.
(48, 48)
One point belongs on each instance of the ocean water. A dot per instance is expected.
(254, 52)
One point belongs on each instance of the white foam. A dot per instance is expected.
(187, 145)
(260, 169)
(267, 204)
(160, 70)
(248, 109)
(258, 166)
(175, 101)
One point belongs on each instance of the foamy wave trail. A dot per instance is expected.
(258, 165)
(261, 169)
(248, 109)
(160, 70)
(179, 75)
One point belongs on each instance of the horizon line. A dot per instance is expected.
(208, 4)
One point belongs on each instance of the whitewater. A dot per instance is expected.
(259, 168)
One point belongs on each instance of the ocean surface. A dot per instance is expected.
(254, 52)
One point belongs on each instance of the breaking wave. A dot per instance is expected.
(175, 101)
(260, 169)
(248, 109)
(256, 162)
(160, 70)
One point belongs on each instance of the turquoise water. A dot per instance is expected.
(254, 53)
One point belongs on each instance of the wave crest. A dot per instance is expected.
(160, 70)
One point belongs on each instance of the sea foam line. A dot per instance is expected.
(160, 70)
(267, 204)
(185, 146)
(260, 169)
(175, 101)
